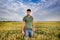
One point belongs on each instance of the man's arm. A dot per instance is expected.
(23, 24)
(33, 25)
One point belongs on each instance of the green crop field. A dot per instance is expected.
(43, 31)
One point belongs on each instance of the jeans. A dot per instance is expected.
(28, 33)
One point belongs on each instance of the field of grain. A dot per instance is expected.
(43, 31)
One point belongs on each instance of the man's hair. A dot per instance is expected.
(29, 10)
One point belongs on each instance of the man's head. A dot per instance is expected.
(28, 11)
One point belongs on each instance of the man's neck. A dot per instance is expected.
(28, 15)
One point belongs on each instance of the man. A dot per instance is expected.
(27, 25)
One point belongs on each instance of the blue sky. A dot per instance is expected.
(42, 10)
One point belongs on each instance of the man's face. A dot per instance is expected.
(28, 12)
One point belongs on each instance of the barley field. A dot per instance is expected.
(43, 31)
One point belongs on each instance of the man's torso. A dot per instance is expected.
(28, 22)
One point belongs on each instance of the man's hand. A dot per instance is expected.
(33, 26)
(23, 33)
(33, 29)
(23, 24)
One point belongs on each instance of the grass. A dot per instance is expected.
(43, 31)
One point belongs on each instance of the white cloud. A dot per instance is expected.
(54, 18)
(9, 16)
(11, 12)
(50, 3)
(10, 0)
(43, 0)
(15, 11)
